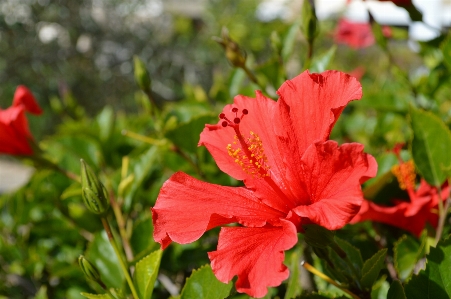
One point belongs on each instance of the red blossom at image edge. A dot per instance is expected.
(356, 35)
(293, 175)
(411, 216)
(14, 132)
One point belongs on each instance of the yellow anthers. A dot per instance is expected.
(405, 173)
(252, 158)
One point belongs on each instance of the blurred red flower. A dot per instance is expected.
(357, 35)
(413, 215)
(14, 132)
(293, 173)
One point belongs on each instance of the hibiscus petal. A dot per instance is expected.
(14, 132)
(394, 216)
(23, 96)
(187, 207)
(254, 254)
(332, 177)
(258, 120)
(315, 102)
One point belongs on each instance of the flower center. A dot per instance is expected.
(405, 173)
(246, 152)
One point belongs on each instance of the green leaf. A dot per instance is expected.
(141, 168)
(435, 281)
(396, 291)
(146, 273)
(101, 254)
(372, 267)
(105, 119)
(289, 40)
(42, 293)
(202, 284)
(294, 286)
(446, 50)
(321, 63)
(186, 135)
(95, 296)
(407, 252)
(141, 245)
(431, 145)
(414, 14)
(352, 253)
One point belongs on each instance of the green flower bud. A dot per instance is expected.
(276, 43)
(141, 74)
(318, 236)
(310, 24)
(88, 269)
(94, 193)
(234, 53)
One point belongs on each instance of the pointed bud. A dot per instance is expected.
(276, 43)
(234, 53)
(310, 24)
(318, 236)
(94, 193)
(141, 74)
(88, 269)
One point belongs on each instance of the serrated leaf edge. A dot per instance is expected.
(364, 275)
(143, 260)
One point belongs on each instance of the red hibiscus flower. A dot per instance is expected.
(293, 176)
(411, 216)
(357, 35)
(14, 132)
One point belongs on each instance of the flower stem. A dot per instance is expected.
(143, 138)
(442, 212)
(253, 78)
(121, 224)
(106, 226)
(313, 270)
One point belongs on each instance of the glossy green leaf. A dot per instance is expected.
(380, 288)
(407, 252)
(372, 267)
(105, 120)
(68, 150)
(294, 285)
(202, 284)
(435, 281)
(146, 273)
(352, 253)
(142, 246)
(396, 291)
(431, 145)
(414, 14)
(321, 63)
(186, 135)
(101, 254)
(141, 167)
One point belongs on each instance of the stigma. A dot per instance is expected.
(248, 152)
